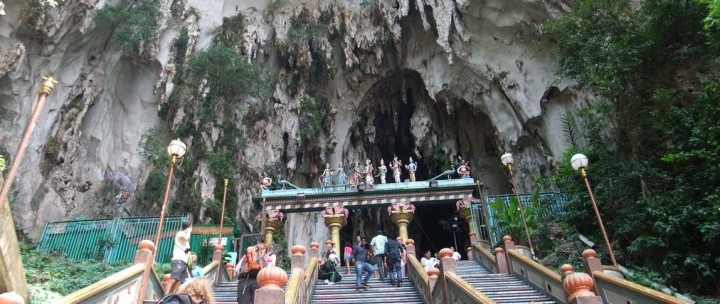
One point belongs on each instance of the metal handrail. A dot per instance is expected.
(292, 292)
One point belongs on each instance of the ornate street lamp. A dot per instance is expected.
(507, 160)
(579, 162)
(176, 149)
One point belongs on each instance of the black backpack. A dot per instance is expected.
(176, 299)
(392, 250)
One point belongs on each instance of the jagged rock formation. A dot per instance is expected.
(429, 79)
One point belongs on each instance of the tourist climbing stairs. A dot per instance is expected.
(378, 291)
(501, 288)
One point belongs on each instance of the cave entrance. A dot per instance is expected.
(435, 226)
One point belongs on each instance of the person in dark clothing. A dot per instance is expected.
(393, 254)
(361, 253)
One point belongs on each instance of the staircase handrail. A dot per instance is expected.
(210, 271)
(114, 289)
(629, 292)
(485, 257)
(461, 291)
(419, 277)
(294, 285)
(537, 275)
(311, 274)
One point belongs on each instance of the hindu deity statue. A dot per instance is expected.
(369, 179)
(411, 167)
(396, 166)
(341, 175)
(383, 171)
(464, 169)
(357, 173)
(326, 176)
(265, 181)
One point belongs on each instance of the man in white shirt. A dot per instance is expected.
(378, 242)
(456, 255)
(179, 267)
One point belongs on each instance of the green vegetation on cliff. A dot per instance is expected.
(654, 139)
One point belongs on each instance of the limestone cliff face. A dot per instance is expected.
(428, 79)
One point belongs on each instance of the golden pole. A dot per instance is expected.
(222, 213)
(46, 88)
(522, 209)
(164, 206)
(597, 214)
(262, 225)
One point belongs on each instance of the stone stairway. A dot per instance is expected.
(378, 292)
(226, 293)
(501, 288)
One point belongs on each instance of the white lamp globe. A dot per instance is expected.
(176, 148)
(579, 161)
(507, 159)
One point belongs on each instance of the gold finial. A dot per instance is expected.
(48, 84)
(226, 182)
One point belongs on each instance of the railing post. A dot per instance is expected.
(218, 256)
(144, 255)
(501, 260)
(473, 237)
(509, 245)
(297, 259)
(566, 270)
(410, 245)
(433, 274)
(271, 280)
(578, 286)
(314, 251)
(470, 254)
(590, 264)
(447, 264)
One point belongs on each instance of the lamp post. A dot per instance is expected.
(46, 88)
(579, 162)
(507, 160)
(176, 149)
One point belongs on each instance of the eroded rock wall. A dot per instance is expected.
(423, 78)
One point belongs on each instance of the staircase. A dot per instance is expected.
(226, 293)
(501, 288)
(379, 292)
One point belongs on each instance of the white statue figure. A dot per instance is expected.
(396, 166)
(326, 177)
(369, 179)
(383, 171)
(411, 167)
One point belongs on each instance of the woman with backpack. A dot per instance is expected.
(246, 271)
(194, 291)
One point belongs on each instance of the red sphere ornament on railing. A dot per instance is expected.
(272, 277)
(499, 250)
(507, 238)
(314, 245)
(433, 272)
(578, 284)
(219, 248)
(445, 253)
(565, 268)
(410, 242)
(589, 253)
(298, 250)
(147, 244)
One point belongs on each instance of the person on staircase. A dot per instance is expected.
(246, 271)
(378, 243)
(270, 257)
(361, 253)
(393, 254)
(194, 291)
(348, 255)
(328, 269)
(179, 267)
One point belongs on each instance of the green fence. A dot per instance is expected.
(552, 204)
(109, 240)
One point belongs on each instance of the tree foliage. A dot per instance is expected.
(653, 137)
(134, 27)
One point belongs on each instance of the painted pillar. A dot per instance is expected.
(273, 223)
(401, 214)
(335, 218)
(463, 209)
